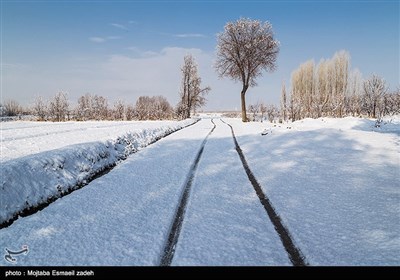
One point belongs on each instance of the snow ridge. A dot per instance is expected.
(35, 180)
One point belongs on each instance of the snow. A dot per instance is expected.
(122, 218)
(335, 183)
(22, 138)
(30, 180)
(217, 229)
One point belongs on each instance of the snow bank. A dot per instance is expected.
(22, 138)
(36, 179)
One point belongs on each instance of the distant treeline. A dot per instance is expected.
(92, 107)
(96, 107)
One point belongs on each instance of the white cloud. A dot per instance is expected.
(97, 39)
(190, 35)
(113, 37)
(158, 73)
(144, 72)
(103, 39)
(120, 26)
(140, 53)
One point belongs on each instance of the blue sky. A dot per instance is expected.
(124, 49)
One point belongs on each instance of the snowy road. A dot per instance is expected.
(225, 223)
(320, 175)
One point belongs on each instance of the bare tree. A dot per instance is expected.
(40, 108)
(92, 107)
(263, 110)
(100, 109)
(142, 108)
(321, 90)
(245, 49)
(341, 64)
(272, 112)
(12, 108)
(119, 110)
(354, 93)
(59, 107)
(253, 109)
(192, 95)
(283, 103)
(392, 103)
(130, 112)
(162, 108)
(374, 89)
(322, 87)
(153, 108)
(303, 88)
(84, 110)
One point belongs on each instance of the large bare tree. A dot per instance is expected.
(245, 49)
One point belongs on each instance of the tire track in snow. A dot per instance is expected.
(169, 248)
(295, 255)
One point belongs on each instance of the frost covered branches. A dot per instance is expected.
(245, 49)
(92, 107)
(11, 108)
(95, 107)
(59, 107)
(260, 111)
(153, 108)
(374, 90)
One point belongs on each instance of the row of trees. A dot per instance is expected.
(263, 111)
(373, 100)
(95, 107)
(91, 107)
(332, 89)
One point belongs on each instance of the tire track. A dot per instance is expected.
(294, 253)
(169, 248)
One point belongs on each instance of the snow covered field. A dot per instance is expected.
(21, 138)
(334, 183)
(44, 160)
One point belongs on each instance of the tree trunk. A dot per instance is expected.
(374, 111)
(243, 99)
